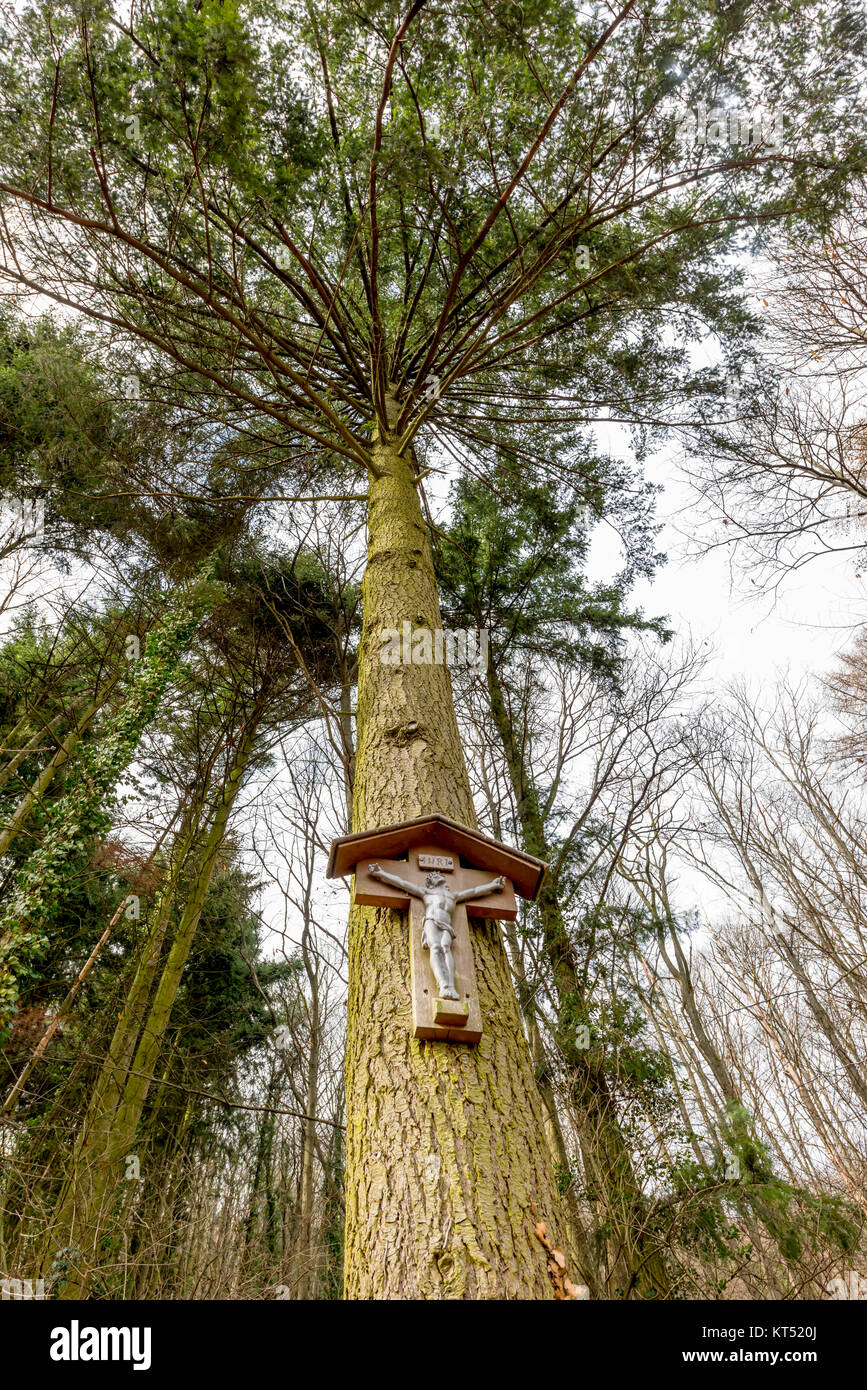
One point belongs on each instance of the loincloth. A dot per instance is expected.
(437, 926)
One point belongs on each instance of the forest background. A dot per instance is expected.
(585, 287)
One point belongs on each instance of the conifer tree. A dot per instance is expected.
(453, 223)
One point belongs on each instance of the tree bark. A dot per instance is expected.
(446, 1147)
(306, 1246)
(33, 744)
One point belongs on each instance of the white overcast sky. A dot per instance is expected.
(812, 615)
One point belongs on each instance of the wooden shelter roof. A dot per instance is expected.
(389, 841)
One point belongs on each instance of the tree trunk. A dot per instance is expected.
(579, 1237)
(33, 744)
(823, 1018)
(102, 1148)
(609, 1170)
(446, 1148)
(306, 1247)
(11, 1100)
(33, 796)
(109, 1085)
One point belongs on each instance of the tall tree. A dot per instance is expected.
(248, 684)
(358, 267)
(80, 816)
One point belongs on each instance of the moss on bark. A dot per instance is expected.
(446, 1147)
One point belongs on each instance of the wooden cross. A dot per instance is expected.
(434, 1016)
(436, 843)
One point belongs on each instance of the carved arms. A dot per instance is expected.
(414, 889)
(496, 886)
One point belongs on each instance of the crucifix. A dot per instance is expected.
(439, 883)
(437, 930)
(439, 892)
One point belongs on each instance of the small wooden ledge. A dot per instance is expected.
(451, 1012)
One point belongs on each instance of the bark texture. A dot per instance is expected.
(446, 1146)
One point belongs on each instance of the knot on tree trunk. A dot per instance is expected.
(406, 558)
(405, 733)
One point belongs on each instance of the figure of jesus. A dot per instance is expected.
(437, 930)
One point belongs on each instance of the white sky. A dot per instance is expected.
(800, 628)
